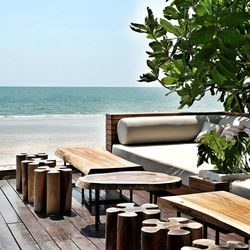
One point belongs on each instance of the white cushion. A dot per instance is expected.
(179, 159)
(207, 127)
(235, 120)
(158, 129)
(231, 130)
(241, 188)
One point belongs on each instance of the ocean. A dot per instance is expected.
(70, 101)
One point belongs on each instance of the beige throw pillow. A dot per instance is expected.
(231, 130)
(207, 127)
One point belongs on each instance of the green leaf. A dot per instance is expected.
(230, 65)
(170, 13)
(155, 46)
(137, 29)
(217, 77)
(169, 27)
(202, 36)
(149, 77)
(234, 19)
(232, 38)
(169, 80)
(224, 71)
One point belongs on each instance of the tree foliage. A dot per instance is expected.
(201, 46)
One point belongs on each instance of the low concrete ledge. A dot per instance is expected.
(7, 172)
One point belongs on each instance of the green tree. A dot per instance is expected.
(201, 46)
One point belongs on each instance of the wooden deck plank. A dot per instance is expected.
(28, 219)
(22, 236)
(9, 214)
(63, 231)
(69, 232)
(67, 245)
(6, 239)
(86, 221)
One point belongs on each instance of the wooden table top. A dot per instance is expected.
(91, 160)
(221, 208)
(130, 180)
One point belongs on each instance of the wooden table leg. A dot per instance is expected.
(97, 208)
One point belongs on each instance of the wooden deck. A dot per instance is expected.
(21, 228)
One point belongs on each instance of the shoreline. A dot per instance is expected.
(48, 116)
(45, 134)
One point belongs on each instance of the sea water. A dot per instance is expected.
(68, 101)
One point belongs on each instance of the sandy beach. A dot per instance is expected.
(45, 134)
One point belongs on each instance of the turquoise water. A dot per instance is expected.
(33, 101)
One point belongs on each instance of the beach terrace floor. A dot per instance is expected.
(21, 228)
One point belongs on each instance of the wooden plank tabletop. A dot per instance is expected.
(130, 180)
(91, 160)
(220, 208)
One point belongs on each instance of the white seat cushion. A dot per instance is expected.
(241, 188)
(174, 159)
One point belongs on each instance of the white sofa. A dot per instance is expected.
(164, 143)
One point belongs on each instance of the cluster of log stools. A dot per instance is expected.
(43, 184)
(139, 227)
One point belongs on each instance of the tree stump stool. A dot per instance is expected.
(43, 156)
(124, 223)
(24, 170)
(172, 234)
(210, 244)
(19, 158)
(31, 167)
(53, 190)
(53, 193)
(40, 190)
(66, 190)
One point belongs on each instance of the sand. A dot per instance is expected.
(46, 134)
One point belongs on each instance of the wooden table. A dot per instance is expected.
(92, 160)
(221, 209)
(127, 180)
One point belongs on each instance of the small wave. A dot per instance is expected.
(46, 117)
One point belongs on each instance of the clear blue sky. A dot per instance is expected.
(72, 42)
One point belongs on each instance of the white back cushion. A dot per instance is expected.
(158, 129)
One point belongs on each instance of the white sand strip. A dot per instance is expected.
(34, 134)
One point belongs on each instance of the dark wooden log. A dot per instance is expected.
(111, 228)
(31, 167)
(128, 235)
(40, 190)
(19, 159)
(30, 157)
(24, 169)
(181, 220)
(142, 212)
(203, 243)
(236, 245)
(53, 193)
(195, 228)
(178, 238)
(50, 163)
(43, 156)
(150, 211)
(66, 190)
(154, 238)
(190, 248)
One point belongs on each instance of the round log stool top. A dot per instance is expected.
(129, 180)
